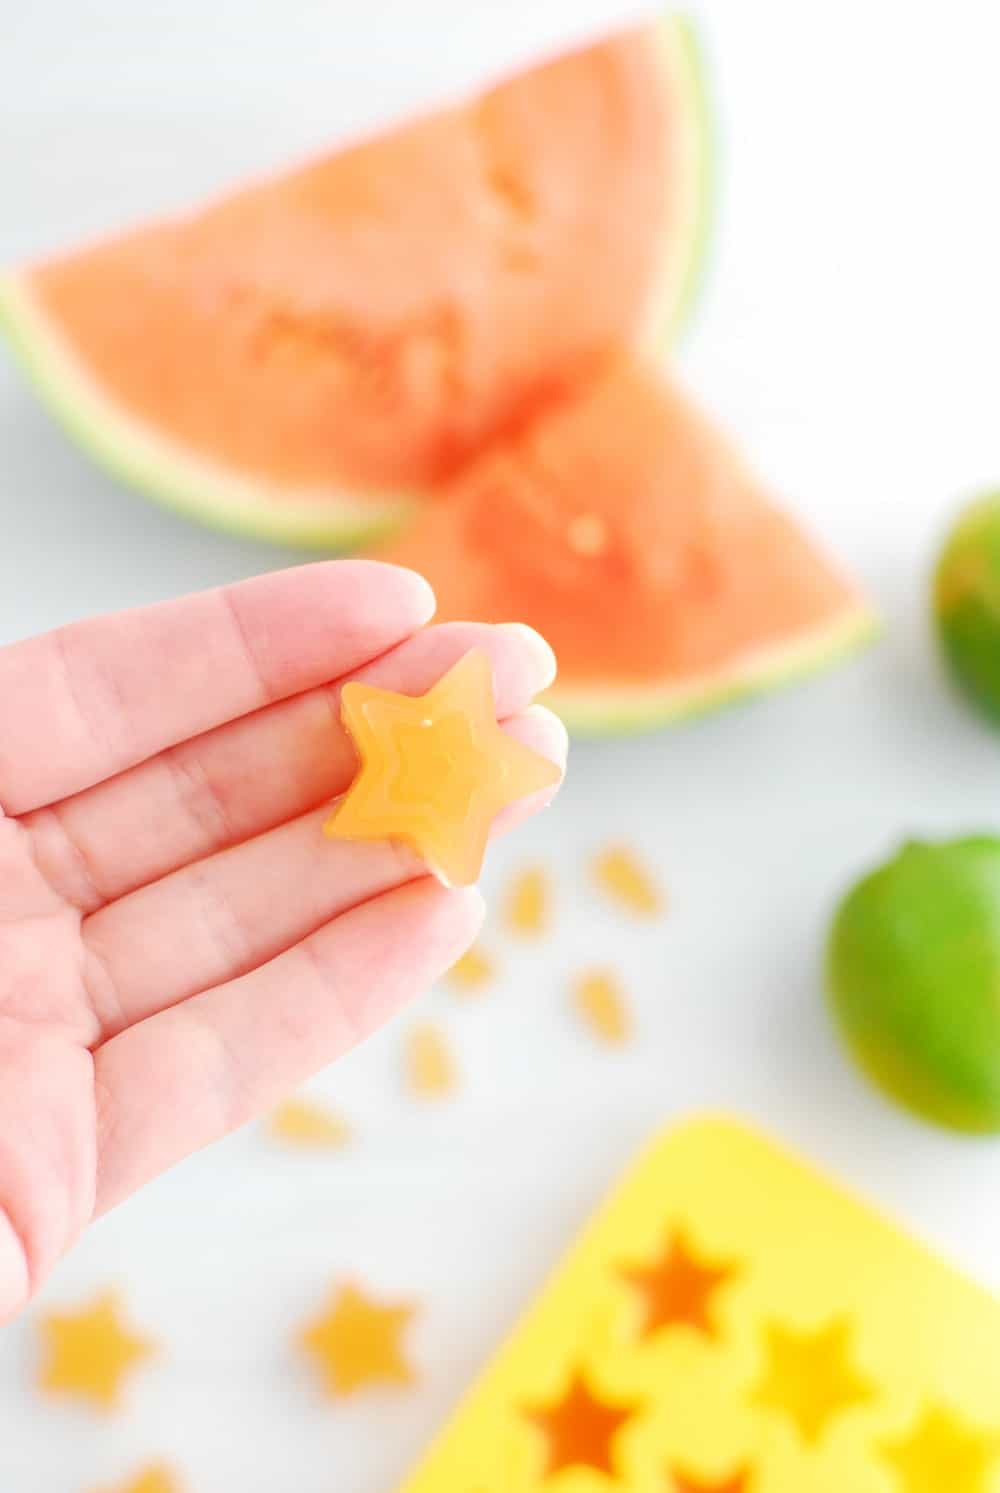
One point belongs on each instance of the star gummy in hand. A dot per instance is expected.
(435, 769)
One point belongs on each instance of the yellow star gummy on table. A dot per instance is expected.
(90, 1353)
(356, 1342)
(435, 769)
(732, 1322)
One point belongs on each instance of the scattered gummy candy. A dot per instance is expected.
(90, 1352)
(430, 1067)
(528, 909)
(599, 1001)
(301, 1122)
(471, 973)
(621, 876)
(356, 1342)
(157, 1478)
(435, 770)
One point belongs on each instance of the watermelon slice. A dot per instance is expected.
(304, 359)
(623, 527)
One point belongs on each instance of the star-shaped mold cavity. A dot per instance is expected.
(941, 1454)
(679, 1288)
(580, 1428)
(435, 769)
(810, 1377)
(679, 1481)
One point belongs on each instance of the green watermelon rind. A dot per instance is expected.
(616, 710)
(131, 451)
(683, 46)
(338, 520)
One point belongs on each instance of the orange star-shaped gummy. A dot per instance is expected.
(810, 1377)
(436, 769)
(678, 1289)
(90, 1352)
(356, 1342)
(580, 1429)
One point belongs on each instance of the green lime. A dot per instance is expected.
(967, 603)
(913, 971)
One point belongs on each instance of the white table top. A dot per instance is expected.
(848, 334)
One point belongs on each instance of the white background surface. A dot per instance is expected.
(848, 333)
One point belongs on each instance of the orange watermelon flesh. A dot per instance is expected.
(626, 529)
(362, 325)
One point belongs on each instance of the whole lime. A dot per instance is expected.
(967, 603)
(913, 971)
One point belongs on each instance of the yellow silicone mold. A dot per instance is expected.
(731, 1322)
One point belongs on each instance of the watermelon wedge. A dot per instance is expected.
(306, 358)
(628, 531)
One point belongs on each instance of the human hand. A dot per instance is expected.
(179, 944)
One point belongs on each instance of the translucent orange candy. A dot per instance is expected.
(435, 769)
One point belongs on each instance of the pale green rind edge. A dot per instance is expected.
(681, 43)
(614, 711)
(170, 475)
(196, 489)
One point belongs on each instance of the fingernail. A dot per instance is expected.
(558, 747)
(542, 651)
(423, 591)
(428, 599)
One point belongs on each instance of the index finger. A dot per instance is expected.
(85, 702)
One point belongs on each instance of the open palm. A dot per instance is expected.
(178, 942)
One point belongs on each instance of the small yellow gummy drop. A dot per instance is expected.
(469, 974)
(528, 907)
(430, 1067)
(300, 1122)
(601, 1004)
(624, 880)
